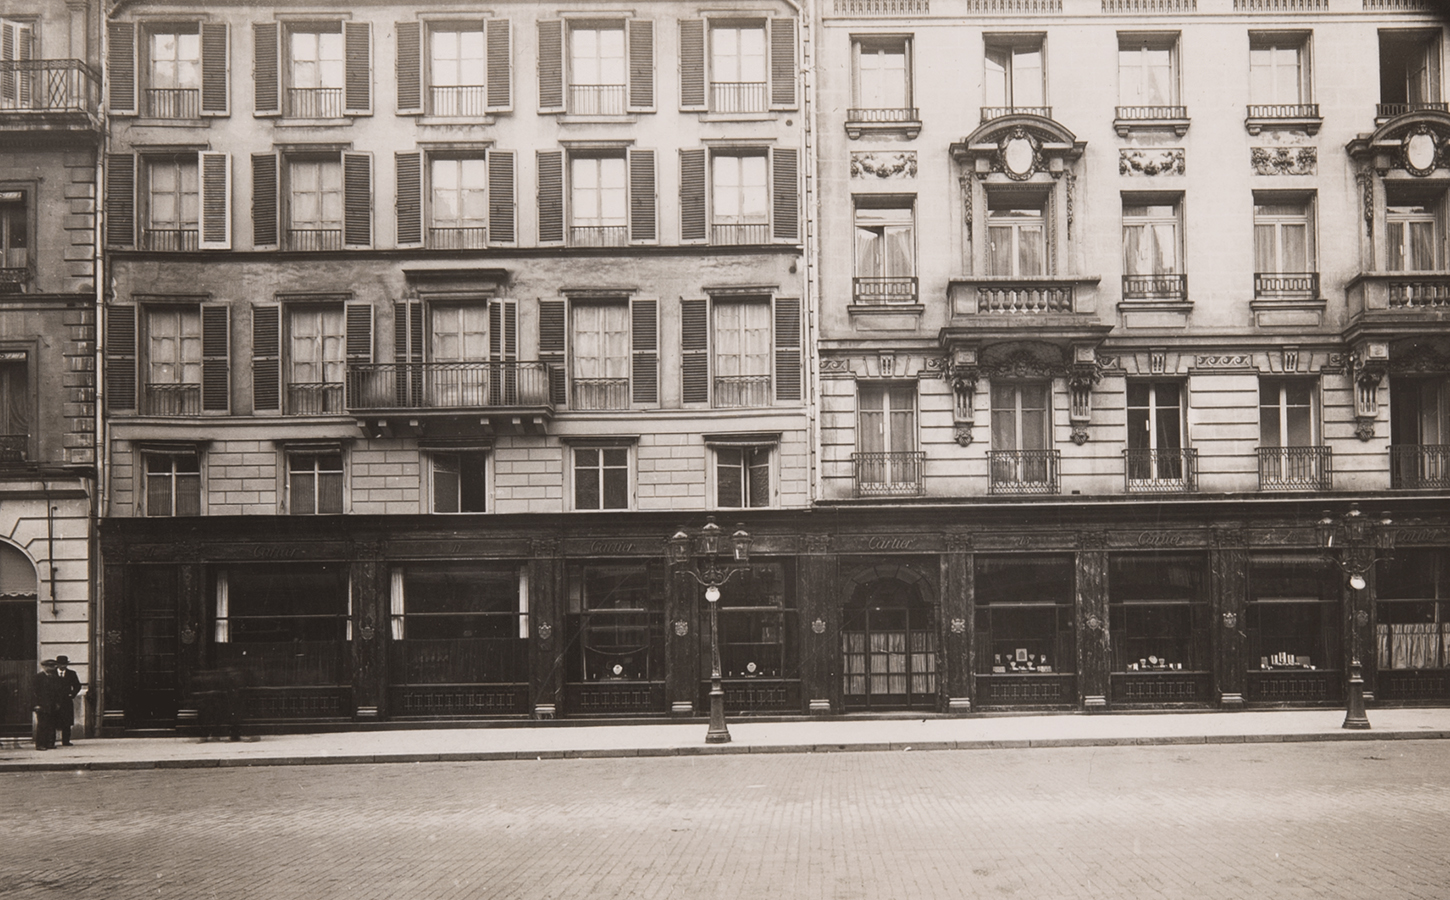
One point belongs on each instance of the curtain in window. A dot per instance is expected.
(459, 196)
(742, 339)
(739, 189)
(223, 631)
(1149, 248)
(14, 398)
(884, 243)
(601, 340)
(317, 353)
(395, 605)
(459, 333)
(317, 60)
(175, 350)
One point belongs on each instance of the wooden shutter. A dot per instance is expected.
(357, 199)
(692, 196)
(551, 348)
(408, 352)
(215, 69)
(642, 205)
(694, 351)
(264, 200)
(25, 50)
(499, 39)
(410, 68)
(266, 82)
(120, 199)
(503, 343)
(215, 357)
(121, 68)
(782, 64)
(551, 196)
(692, 64)
(266, 358)
(410, 198)
(644, 333)
(641, 65)
(214, 171)
(787, 349)
(551, 65)
(120, 357)
(359, 319)
(785, 184)
(357, 40)
(502, 228)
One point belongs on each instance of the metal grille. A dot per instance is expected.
(1161, 471)
(1295, 468)
(1164, 286)
(1416, 466)
(173, 103)
(1286, 284)
(1024, 471)
(888, 474)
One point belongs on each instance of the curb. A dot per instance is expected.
(711, 750)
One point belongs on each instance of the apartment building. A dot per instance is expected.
(50, 130)
(425, 330)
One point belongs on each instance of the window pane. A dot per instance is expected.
(729, 477)
(616, 488)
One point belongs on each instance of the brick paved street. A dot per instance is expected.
(1320, 820)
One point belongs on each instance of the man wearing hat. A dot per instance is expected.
(65, 708)
(45, 688)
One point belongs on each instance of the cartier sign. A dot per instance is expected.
(895, 543)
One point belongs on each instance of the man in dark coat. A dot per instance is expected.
(45, 687)
(65, 711)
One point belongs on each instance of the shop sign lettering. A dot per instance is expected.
(1161, 539)
(881, 543)
(611, 547)
(276, 552)
(1419, 535)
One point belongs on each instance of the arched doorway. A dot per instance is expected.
(18, 644)
(888, 645)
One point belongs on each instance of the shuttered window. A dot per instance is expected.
(551, 66)
(121, 358)
(359, 91)
(551, 347)
(500, 65)
(694, 351)
(644, 340)
(551, 196)
(410, 67)
(692, 64)
(787, 349)
(642, 204)
(215, 357)
(641, 65)
(692, 196)
(266, 80)
(359, 346)
(410, 198)
(215, 69)
(785, 182)
(357, 185)
(216, 191)
(502, 214)
(120, 199)
(782, 64)
(264, 200)
(266, 358)
(121, 67)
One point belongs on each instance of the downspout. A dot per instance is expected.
(805, 12)
(101, 453)
(50, 546)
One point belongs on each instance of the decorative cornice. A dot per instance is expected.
(1284, 160)
(883, 165)
(1167, 161)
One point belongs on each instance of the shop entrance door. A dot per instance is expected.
(18, 644)
(156, 689)
(888, 648)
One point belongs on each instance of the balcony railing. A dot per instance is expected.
(1172, 471)
(1279, 5)
(1284, 111)
(1390, 110)
(1024, 471)
(730, 234)
(1149, 6)
(1286, 284)
(888, 474)
(597, 99)
(1025, 298)
(1414, 293)
(470, 238)
(738, 96)
(1173, 286)
(1420, 466)
(883, 116)
(458, 100)
(875, 290)
(173, 399)
(599, 393)
(1151, 113)
(882, 7)
(173, 103)
(314, 398)
(1295, 468)
(742, 391)
(314, 103)
(15, 279)
(314, 239)
(996, 112)
(48, 86)
(14, 448)
(598, 236)
(448, 385)
(174, 239)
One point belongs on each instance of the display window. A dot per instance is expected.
(1157, 612)
(1024, 614)
(284, 624)
(1412, 629)
(757, 625)
(1292, 618)
(459, 623)
(616, 623)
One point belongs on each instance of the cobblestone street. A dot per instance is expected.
(1275, 820)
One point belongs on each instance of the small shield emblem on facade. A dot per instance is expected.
(819, 626)
(682, 628)
(959, 625)
(1230, 619)
(546, 631)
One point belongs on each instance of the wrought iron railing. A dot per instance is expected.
(882, 7)
(1014, 6)
(1168, 286)
(173, 103)
(742, 391)
(15, 279)
(448, 385)
(738, 96)
(731, 234)
(1161, 471)
(470, 238)
(458, 100)
(1428, 292)
(599, 393)
(1279, 5)
(1025, 298)
(314, 103)
(598, 99)
(996, 112)
(895, 474)
(1284, 111)
(1280, 284)
(883, 116)
(1295, 468)
(14, 448)
(1151, 113)
(1024, 471)
(1420, 466)
(878, 289)
(314, 239)
(48, 86)
(173, 399)
(1149, 6)
(1390, 110)
(314, 398)
(598, 236)
(175, 239)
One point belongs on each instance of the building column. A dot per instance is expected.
(546, 644)
(115, 659)
(683, 632)
(191, 618)
(957, 661)
(1094, 656)
(370, 611)
(820, 616)
(1228, 564)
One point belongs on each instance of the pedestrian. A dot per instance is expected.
(45, 687)
(65, 713)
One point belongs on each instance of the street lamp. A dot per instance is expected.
(700, 558)
(1352, 542)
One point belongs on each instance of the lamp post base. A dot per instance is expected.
(718, 733)
(1354, 716)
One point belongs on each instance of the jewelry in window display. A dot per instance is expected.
(751, 669)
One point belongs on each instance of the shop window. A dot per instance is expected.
(459, 624)
(616, 619)
(1158, 613)
(1284, 238)
(1015, 76)
(887, 460)
(885, 250)
(601, 478)
(1153, 248)
(1292, 620)
(1024, 614)
(1419, 432)
(460, 481)
(1412, 629)
(16, 404)
(742, 477)
(757, 626)
(173, 482)
(1016, 234)
(314, 482)
(285, 624)
(1409, 72)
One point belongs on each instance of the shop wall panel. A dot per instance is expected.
(1228, 584)
(546, 572)
(1094, 658)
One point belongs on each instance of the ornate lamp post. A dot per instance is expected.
(1353, 541)
(700, 558)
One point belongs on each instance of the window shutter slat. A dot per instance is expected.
(215, 69)
(120, 199)
(551, 347)
(359, 340)
(410, 68)
(121, 62)
(787, 349)
(641, 65)
(551, 65)
(785, 183)
(694, 351)
(501, 205)
(358, 81)
(692, 64)
(266, 86)
(645, 340)
(642, 205)
(410, 197)
(121, 358)
(499, 36)
(692, 195)
(215, 357)
(408, 352)
(551, 197)
(357, 192)
(266, 358)
(782, 64)
(264, 200)
(215, 171)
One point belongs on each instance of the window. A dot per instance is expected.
(1152, 249)
(1024, 613)
(316, 204)
(881, 87)
(470, 199)
(457, 342)
(459, 624)
(316, 72)
(174, 58)
(1016, 234)
(1155, 433)
(742, 477)
(14, 241)
(180, 68)
(1292, 621)
(757, 628)
(601, 356)
(1284, 260)
(742, 353)
(173, 361)
(616, 624)
(17, 87)
(458, 214)
(460, 481)
(610, 197)
(739, 196)
(597, 70)
(739, 188)
(290, 620)
(313, 70)
(1409, 72)
(1414, 228)
(314, 482)
(172, 204)
(1022, 434)
(1148, 73)
(316, 359)
(1158, 613)
(599, 67)
(1419, 432)
(1289, 453)
(738, 68)
(601, 478)
(173, 482)
(597, 201)
(735, 355)
(1412, 627)
(15, 406)
(887, 460)
(1015, 77)
(1278, 71)
(885, 251)
(447, 69)
(458, 65)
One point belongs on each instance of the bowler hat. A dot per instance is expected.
(62, 660)
(48, 663)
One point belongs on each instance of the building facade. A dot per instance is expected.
(50, 133)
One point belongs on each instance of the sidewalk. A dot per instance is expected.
(470, 743)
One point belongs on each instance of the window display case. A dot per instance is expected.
(1293, 629)
(616, 623)
(758, 656)
(1412, 626)
(1158, 628)
(1026, 653)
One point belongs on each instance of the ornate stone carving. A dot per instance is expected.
(966, 185)
(817, 543)
(959, 625)
(1230, 619)
(1157, 361)
(884, 165)
(1070, 188)
(366, 628)
(1084, 373)
(1284, 160)
(1019, 154)
(188, 635)
(1370, 363)
(819, 626)
(963, 379)
(1224, 361)
(682, 628)
(113, 638)
(545, 631)
(1421, 151)
(1166, 161)
(958, 542)
(1366, 193)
